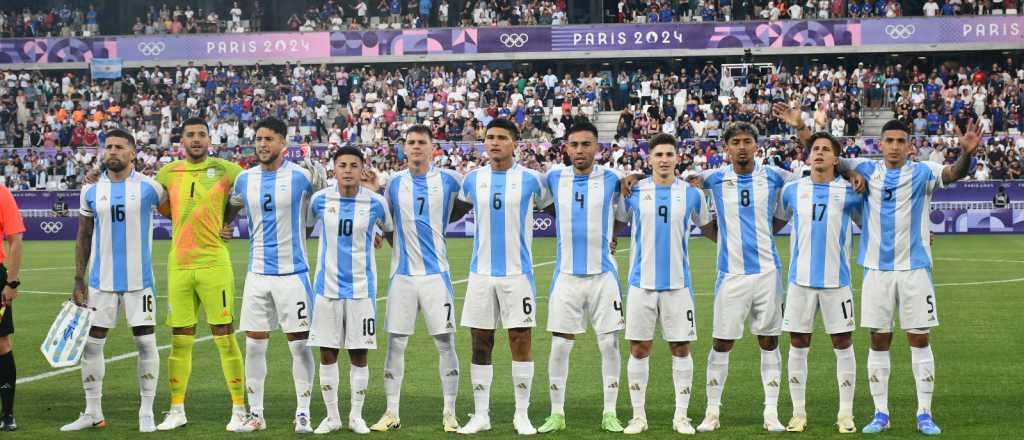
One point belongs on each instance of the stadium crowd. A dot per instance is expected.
(341, 15)
(338, 105)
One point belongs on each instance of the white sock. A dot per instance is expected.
(878, 379)
(797, 369)
(358, 378)
(448, 368)
(94, 367)
(718, 372)
(923, 366)
(329, 388)
(611, 368)
(558, 372)
(255, 372)
(771, 375)
(682, 378)
(846, 377)
(522, 380)
(303, 370)
(149, 371)
(481, 376)
(637, 371)
(394, 370)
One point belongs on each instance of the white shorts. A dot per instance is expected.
(595, 295)
(138, 305)
(909, 290)
(673, 309)
(348, 324)
(276, 301)
(756, 298)
(510, 300)
(803, 302)
(432, 294)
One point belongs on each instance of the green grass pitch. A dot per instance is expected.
(979, 392)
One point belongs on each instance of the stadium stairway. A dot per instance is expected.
(873, 121)
(606, 123)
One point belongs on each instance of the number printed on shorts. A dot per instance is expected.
(147, 303)
(369, 327)
(689, 317)
(527, 306)
(301, 313)
(931, 304)
(448, 311)
(847, 315)
(617, 306)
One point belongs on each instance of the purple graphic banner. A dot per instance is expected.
(980, 29)
(215, 47)
(497, 40)
(56, 50)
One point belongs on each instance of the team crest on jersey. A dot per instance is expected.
(434, 189)
(210, 172)
(131, 196)
(363, 211)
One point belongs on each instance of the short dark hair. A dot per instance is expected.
(421, 129)
(273, 124)
(737, 128)
(836, 145)
(662, 139)
(123, 134)
(195, 120)
(581, 124)
(895, 124)
(506, 124)
(348, 150)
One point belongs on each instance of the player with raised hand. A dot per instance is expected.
(346, 284)
(501, 285)
(588, 209)
(422, 201)
(115, 233)
(896, 254)
(277, 292)
(663, 210)
(822, 207)
(199, 267)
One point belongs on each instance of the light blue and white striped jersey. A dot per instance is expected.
(420, 207)
(820, 239)
(586, 208)
(276, 202)
(662, 216)
(744, 206)
(895, 234)
(346, 266)
(504, 202)
(122, 240)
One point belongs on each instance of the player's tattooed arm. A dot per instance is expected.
(83, 246)
(968, 142)
(710, 230)
(459, 210)
(626, 183)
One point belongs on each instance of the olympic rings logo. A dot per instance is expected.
(51, 227)
(541, 223)
(513, 40)
(151, 49)
(899, 31)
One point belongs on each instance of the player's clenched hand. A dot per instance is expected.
(92, 177)
(613, 244)
(227, 232)
(79, 296)
(369, 180)
(8, 296)
(857, 181)
(378, 241)
(626, 184)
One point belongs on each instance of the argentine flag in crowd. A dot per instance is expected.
(106, 69)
